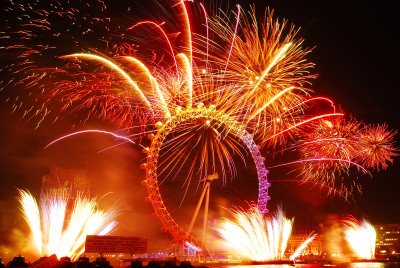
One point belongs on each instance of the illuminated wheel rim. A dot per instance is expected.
(235, 128)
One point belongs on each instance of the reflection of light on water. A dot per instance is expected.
(261, 266)
(368, 265)
(315, 265)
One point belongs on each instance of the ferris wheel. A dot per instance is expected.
(208, 115)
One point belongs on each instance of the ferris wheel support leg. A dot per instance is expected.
(196, 212)
(206, 214)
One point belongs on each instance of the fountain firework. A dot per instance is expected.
(361, 237)
(56, 229)
(203, 100)
(254, 237)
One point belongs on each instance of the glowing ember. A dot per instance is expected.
(252, 236)
(56, 230)
(361, 237)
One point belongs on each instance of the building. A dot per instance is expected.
(71, 181)
(68, 184)
(313, 249)
(387, 241)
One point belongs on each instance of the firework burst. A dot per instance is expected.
(268, 63)
(333, 149)
(374, 146)
(327, 151)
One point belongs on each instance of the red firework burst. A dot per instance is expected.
(374, 146)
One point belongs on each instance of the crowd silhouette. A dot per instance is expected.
(84, 262)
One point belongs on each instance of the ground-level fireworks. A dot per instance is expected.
(361, 237)
(254, 237)
(56, 229)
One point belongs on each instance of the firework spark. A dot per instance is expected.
(361, 237)
(58, 230)
(206, 100)
(252, 236)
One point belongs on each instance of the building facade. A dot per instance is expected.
(387, 241)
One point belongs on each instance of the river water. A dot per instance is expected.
(341, 265)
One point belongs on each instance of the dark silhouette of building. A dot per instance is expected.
(102, 262)
(136, 264)
(83, 262)
(17, 262)
(45, 262)
(65, 262)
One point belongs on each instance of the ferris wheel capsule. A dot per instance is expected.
(150, 136)
(158, 124)
(178, 109)
(143, 166)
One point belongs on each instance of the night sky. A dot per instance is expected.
(356, 59)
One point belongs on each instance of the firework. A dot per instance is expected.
(329, 143)
(252, 236)
(56, 230)
(204, 101)
(254, 74)
(375, 146)
(361, 237)
(333, 148)
(268, 64)
(122, 86)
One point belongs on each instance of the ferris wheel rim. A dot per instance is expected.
(151, 180)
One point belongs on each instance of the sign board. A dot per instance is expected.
(115, 244)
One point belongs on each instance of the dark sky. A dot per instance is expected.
(356, 57)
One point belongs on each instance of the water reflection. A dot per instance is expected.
(339, 265)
